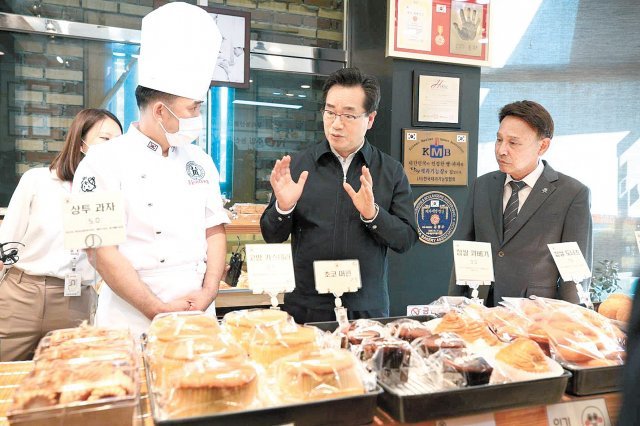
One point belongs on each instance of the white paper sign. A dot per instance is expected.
(589, 412)
(473, 262)
(638, 239)
(337, 276)
(477, 420)
(570, 261)
(270, 268)
(93, 219)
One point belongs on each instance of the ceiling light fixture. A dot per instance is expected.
(266, 104)
(305, 86)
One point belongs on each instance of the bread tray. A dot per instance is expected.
(591, 381)
(352, 410)
(471, 400)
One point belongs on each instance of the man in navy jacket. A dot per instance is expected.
(341, 199)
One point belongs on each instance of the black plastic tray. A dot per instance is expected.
(473, 400)
(352, 410)
(592, 381)
(332, 325)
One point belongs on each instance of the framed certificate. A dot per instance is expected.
(439, 30)
(436, 100)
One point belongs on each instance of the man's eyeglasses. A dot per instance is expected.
(9, 256)
(331, 115)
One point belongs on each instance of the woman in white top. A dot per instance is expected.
(32, 292)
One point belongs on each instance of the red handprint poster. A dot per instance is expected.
(439, 30)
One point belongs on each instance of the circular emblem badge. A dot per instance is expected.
(195, 170)
(436, 216)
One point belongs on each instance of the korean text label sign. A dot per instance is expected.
(589, 412)
(93, 219)
(270, 268)
(570, 261)
(337, 276)
(435, 158)
(473, 262)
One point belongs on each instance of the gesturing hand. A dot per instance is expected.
(363, 199)
(469, 22)
(287, 191)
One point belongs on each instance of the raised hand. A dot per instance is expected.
(363, 200)
(286, 191)
(469, 22)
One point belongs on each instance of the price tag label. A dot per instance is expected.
(477, 420)
(574, 413)
(473, 262)
(93, 219)
(570, 261)
(270, 268)
(337, 276)
(638, 239)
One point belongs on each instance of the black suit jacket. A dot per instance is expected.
(557, 210)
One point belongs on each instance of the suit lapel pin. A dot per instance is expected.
(544, 190)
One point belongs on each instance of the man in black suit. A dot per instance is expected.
(523, 207)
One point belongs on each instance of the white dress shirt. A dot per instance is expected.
(34, 218)
(530, 181)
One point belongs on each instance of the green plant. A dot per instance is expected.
(605, 280)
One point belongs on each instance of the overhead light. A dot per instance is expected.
(289, 94)
(135, 55)
(120, 54)
(267, 104)
(302, 96)
(277, 93)
(1, 53)
(59, 59)
(305, 86)
(250, 81)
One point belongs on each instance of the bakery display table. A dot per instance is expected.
(12, 373)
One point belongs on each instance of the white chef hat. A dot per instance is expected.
(179, 47)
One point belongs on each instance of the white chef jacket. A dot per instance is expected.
(34, 218)
(169, 203)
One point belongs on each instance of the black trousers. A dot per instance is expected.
(302, 314)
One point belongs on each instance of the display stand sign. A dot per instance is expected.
(415, 310)
(337, 277)
(572, 265)
(473, 264)
(638, 239)
(589, 412)
(270, 269)
(93, 220)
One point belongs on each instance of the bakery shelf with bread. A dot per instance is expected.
(255, 362)
(82, 376)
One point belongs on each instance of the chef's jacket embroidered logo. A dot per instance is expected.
(152, 146)
(195, 170)
(88, 184)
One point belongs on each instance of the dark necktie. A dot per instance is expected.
(511, 211)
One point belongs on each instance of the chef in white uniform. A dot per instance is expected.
(174, 253)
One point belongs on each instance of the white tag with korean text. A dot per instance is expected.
(570, 261)
(589, 412)
(270, 268)
(473, 262)
(93, 220)
(337, 276)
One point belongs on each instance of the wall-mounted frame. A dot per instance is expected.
(232, 68)
(436, 157)
(439, 30)
(436, 100)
